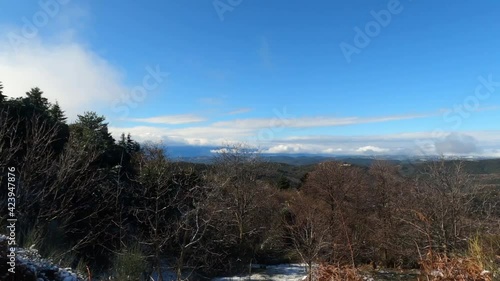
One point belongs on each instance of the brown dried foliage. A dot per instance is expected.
(441, 267)
(337, 273)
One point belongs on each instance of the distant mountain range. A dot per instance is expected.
(204, 154)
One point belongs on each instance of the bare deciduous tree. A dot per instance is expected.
(238, 200)
(340, 187)
(449, 191)
(156, 202)
(387, 196)
(9, 144)
(308, 228)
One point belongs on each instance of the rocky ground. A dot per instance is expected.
(27, 265)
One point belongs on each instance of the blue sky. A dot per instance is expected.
(341, 77)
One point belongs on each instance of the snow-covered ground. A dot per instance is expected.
(281, 272)
(296, 272)
(30, 266)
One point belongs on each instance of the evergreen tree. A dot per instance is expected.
(128, 143)
(92, 121)
(2, 97)
(123, 141)
(284, 183)
(91, 129)
(57, 113)
(35, 98)
(132, 145)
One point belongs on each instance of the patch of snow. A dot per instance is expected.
(280, 272)
(31, 259)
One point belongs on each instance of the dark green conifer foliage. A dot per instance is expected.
(57, 113)
(2, 97)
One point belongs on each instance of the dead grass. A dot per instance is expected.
(337, 273)
(441, 267)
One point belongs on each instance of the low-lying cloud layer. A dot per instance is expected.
(479, 143)
(457, 144)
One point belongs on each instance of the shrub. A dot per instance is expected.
(485, 250)
(454, 268)
(130, 264)
(337, 273)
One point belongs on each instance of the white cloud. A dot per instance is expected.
(485, 143)
(240, 111)
(371, 149)
(51, 56)
(282, 148)
(309, 122)
(80, 79)
(455, 143)
(170, 119)
(189, 135)
(224, 150)
(70, 73)
(332, 150)
(476, 143)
